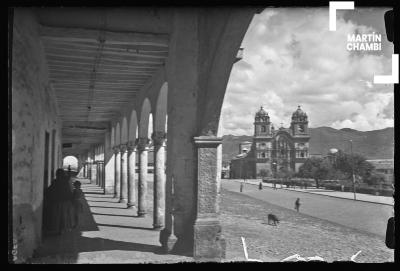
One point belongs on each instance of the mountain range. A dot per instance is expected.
(376, 144)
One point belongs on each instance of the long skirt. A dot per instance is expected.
(67, 216)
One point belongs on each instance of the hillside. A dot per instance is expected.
(377, 144)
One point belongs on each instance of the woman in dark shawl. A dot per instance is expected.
(58, 207)
(64, 198)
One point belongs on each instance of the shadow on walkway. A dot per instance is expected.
(65, 248)
(125, 227)
(113, 215)
(107, 200)
(99, 206)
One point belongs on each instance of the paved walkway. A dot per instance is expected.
(109, 233)
(365, 216)
(330, 193)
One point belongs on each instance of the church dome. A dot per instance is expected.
(262, 115)
(261, 112)
(299, 115)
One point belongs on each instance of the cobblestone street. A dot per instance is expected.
(296, 233)
(363, 216)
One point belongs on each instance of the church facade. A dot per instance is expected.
(273, 150)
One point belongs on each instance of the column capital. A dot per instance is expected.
(207, 141)
(142, 143)
(159, 138)
(131, 146)
(116, 149)
(123, 148)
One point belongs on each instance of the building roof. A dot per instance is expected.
(382, 163)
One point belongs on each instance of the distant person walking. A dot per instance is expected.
(297, 204)
(69, 171)
(275, 185)
(241, 187)
(260, 186)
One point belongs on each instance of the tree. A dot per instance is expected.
(375, 179)
(315, 168)
(346, 163)
(264, 173)
(340, 166)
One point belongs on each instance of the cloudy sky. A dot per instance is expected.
(291, 58)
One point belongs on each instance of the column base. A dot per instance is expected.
(130, 205)
(167, 240)
(158, 227)
(109, 190)
(208, 243)
(141, 213)
(123, 201)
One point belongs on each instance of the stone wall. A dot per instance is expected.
(34, 112)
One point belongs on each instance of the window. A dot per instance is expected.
(263, 155)
(301, 128)
(263, 129)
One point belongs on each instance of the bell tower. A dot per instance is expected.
(299, 124)
(262, 124)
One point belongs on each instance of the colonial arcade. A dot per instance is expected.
(86, 81)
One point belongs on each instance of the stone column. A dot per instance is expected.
(131, 175)
(97, 173)
(197, 73)
(159, 179)
(117, 172)
(103, 182)
(100, 167)
(208, 243)
(84, 170)
(124, 177)
(143, 148)
(90, 171)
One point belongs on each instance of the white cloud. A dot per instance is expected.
(291, 58)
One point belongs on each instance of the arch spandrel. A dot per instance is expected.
(117, 135)
(144, 119)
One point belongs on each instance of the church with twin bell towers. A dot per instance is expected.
(272, 150)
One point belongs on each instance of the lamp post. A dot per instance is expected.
(352, 168)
